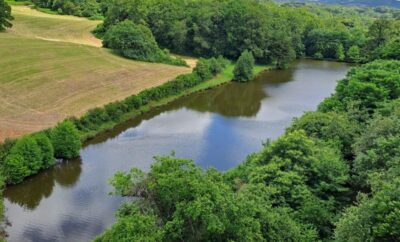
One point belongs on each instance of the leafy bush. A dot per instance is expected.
(82, 8)
(136, 42)
(366, 87)
(203, 69)
(5, 15)
(65, 140)
(46, 149)
(31, 153)
(354, 54)
(15, 169)
(243, 71)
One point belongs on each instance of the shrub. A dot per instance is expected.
(46, 149)
(203, 69)
(318, 56)
(30, 152)
(243, 71)
(15, 169)
(136, 42)
(354, 54)
(216, 66)
(65, 140)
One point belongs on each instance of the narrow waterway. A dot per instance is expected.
(217, 127)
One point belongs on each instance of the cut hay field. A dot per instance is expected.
(51, 68)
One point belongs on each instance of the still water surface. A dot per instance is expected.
(217, 127)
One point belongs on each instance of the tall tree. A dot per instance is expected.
(5, 15)
(243, 71)
(379, 33)
(65, 140)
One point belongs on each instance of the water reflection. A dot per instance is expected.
(217, 127)
(29, 193)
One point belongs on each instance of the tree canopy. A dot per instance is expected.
(243, 71)
(137, 42)
(5, 15)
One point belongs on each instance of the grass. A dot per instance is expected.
(30, 23)
(226, 76)
(51, 69)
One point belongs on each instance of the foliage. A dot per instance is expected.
(203, 69)
(243, 71)
(331, 127)
(366, 87)
(25, 157)
(135, 227)
(376, 217)
(28, 148)
(46, 148)
(65, 140)
(196, 205)
(136, 42)
(83, 8)
(354, 54)
(5, 15)
(15, 168)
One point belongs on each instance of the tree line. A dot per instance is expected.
(333, 175)
(32, 153)
(273, 33)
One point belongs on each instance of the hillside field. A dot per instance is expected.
(51, 67)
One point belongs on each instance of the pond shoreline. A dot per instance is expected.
(222, 78)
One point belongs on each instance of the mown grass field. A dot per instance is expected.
(51, 67)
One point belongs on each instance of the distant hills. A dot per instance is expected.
(370, 3)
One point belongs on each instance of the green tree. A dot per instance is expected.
(340, 54)
(135, 227)
(29, 150)
(318, 55)
(65, 140)
(203, 69)
(376, 217)
(332, 127)
(15, 169)
(379, 33)
(243, 71)
(132, 41)
(47, 150)
(354, 54)
(5, 15)
(281, 50)
(136, 41)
